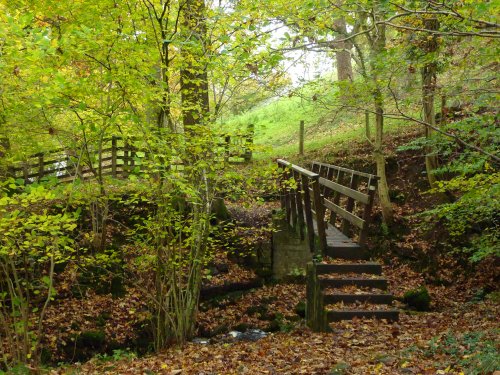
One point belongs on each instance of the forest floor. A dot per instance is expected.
(458, 335)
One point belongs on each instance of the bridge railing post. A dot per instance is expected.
(299, 203)
(346, 225)
(316, 316)
(319, 208)
(308, 211)
(336, 197)
(363, 233)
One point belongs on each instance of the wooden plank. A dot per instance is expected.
(347, 191)
(368, 267)
(344, 214)
(372, 298)
(338, 315)
(379, 283)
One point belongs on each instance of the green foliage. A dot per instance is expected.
(418, 298)
(473, 214)
(118, 355)
(473, 182)
(35, 234)
(469, 351)
(340, 368)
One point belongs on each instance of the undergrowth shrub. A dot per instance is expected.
(35, 231)
(471, 181)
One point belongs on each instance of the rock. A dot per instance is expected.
(249, 335)
(201, 341)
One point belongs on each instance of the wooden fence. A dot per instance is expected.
(117, 157)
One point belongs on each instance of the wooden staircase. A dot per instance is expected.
(345, 286)
(368, 290)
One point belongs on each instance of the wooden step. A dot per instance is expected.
(372, 268)
(338, 315)
(379, 283)
(379, 299)
(347, 252)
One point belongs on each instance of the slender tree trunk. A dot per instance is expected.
(178, 287)
(377, 48)
(428, 91)
(383, 186)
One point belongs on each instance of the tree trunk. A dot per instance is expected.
(343, 54)
(194, 78)
(383, 186)
(428, 91)
(179, 272)
(4, 148)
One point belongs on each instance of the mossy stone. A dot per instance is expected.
(418, 298)
(300, 309)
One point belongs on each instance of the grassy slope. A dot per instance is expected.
(277, 126)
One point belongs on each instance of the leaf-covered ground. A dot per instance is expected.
(459, 335)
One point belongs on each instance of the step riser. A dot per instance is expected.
(336, 316)
(351, 298)
(347, 253)
(374, 269)
(338, 283)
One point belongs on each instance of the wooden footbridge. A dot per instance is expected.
(330, 208)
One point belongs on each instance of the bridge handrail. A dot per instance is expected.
(298, 169)
(315, 194)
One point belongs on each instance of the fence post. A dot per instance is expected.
(301, 138)
(249, 143)
(113, 156)
(40, 166)
(25, 173)
(227, 144)
(125, 160)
